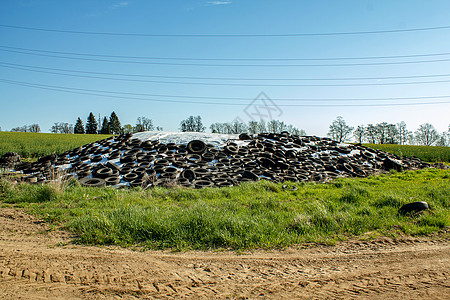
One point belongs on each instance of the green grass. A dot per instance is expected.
(253, 215)
(425, 153)
(34, 145)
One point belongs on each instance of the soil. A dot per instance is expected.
(38, 263)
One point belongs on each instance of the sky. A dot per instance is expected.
(302, 62)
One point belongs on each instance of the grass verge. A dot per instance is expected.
(34, 145)
(425, 153)
(253, 215)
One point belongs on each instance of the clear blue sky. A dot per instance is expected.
(44, 59)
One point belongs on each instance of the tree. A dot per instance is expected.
(193, 124)
(443, 140)
(339, 130)
(27, 128)
(253, 127)
(62, 127)
(105, 126)
(262, 126)
(295, 131)
(128, 128)
(359, 133)
(402, 133)
(276, 126)
(66, 127)
(114, 124)
(34, 128)
(79, 127)
(426, 135)
(371, 133)
(143, 124)
(159, 128)
(91, 124)
(20, 129)
(217, 127)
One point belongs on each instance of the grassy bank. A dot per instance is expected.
(425, 153)
(34, 145)
(253, 215)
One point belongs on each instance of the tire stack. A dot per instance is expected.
(127, 161)
(10, 159)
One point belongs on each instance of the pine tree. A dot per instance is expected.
(79, 127)
(114, 124)
(105, 127)
(91, 124)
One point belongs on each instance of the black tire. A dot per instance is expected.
(112, 180)
(193, 158)
(196, 147)
(104, 172)
(83, 174)
(198, 184)
(125, 170)
(130, 177)
(188, 174)
(127, 158)
(92, 182)
(245, 137)
(208, 156)
(231, 149)
(413, 207)
(250, 175)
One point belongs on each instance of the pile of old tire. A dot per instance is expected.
(127, 161)
(10, 159)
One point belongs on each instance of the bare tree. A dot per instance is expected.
(371, 133)
(144, 124)
(262, 126)
(217, 127)
(253, 127)
(62, 127)
(426, 135)
(238, 127)
(339, 130)
(295, 131)
(20, 129)
(359, 133)
(402, 133)
(193, 124)
(34, 128)
(386, 133)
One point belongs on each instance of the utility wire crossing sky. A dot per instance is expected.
(368, 61)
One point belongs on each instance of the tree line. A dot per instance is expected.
(339, 130)
(387, 133)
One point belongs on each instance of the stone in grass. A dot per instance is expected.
(413, 207)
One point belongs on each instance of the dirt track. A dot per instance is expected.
(39, 265)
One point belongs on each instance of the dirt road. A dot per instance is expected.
(35, 264)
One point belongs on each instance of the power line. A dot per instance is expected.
(190, 35)
(229, 65)
(96, 93)
(228, 59)
(225, 78)
(229, 84)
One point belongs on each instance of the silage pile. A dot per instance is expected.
(203, 160)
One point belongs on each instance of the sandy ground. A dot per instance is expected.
(38, 264)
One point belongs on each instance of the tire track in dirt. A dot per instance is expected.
(36, 263)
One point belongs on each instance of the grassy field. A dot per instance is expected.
(425, 153)
(34, 145)
(253, 215)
